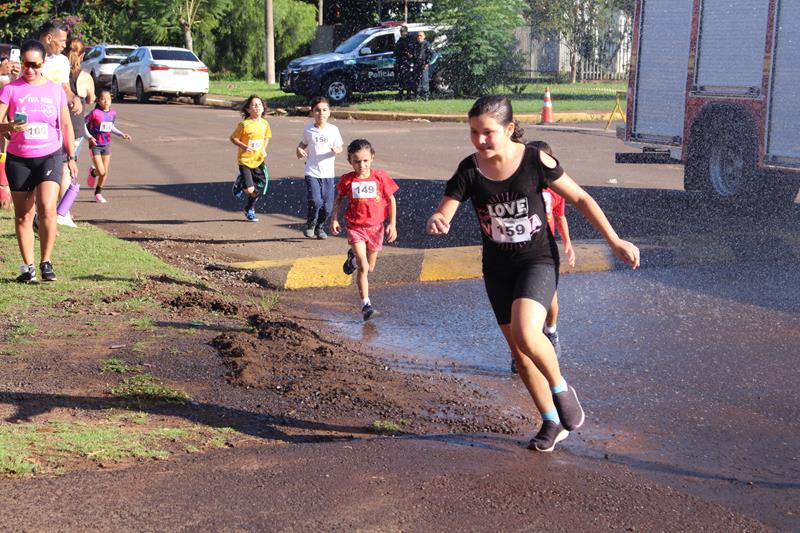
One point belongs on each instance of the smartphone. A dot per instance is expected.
(21, 116)
(14, 55)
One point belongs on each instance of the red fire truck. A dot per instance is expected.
(717, 84)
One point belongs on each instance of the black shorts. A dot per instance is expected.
(536, 281)
(253, 177)
(26, 173)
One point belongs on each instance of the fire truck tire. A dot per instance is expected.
(721, 162)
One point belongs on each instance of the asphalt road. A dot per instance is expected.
(173, 180)
(687, 374)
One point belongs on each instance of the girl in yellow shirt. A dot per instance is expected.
(251, 136)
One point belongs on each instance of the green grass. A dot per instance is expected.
(594, 97)
(145, 388)
(90, 264)
(386, 427)
(117, 366)
(143, 324)
(30, 447)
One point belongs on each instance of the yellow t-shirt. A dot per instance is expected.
(253, 133)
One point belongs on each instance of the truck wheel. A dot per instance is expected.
(337, 90)
(721, 160)
(199, 99)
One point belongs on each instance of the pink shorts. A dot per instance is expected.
(372, 235)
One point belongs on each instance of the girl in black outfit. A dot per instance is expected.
(504, 179)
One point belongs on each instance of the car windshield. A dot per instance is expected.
(351, 44)
(177, 55)
(124, 52)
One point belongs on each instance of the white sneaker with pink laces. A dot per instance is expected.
(99, 198)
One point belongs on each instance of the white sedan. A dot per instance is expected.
(160, 70)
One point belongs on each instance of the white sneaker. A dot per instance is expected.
(66, 220)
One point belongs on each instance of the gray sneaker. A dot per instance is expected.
(309, 233)
(368, 312)
(320, 233)
(569, 409)
(550, 434)
(553, 338)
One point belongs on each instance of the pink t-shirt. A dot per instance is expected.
(43, 105)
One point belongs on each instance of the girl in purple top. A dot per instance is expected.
(100, 125)
(34, 161)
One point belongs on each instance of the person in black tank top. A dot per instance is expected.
(504, 181)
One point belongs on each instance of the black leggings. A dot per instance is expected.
(26, 173)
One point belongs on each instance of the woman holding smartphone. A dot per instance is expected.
(34, 160)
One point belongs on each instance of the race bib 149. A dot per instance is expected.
(364, 189)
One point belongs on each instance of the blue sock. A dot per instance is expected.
(551, 415)
(561, 387)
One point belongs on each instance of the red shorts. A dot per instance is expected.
(372, 235)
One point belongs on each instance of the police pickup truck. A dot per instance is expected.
(362, 63)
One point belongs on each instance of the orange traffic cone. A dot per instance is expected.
(547, 108)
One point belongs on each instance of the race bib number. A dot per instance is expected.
(511, 230)
(105, 127)
(256, 144)
(365, 189)
(36, 131)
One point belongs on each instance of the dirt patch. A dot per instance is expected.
(204, 301)
(324, 378)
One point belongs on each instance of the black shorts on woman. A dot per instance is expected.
(26, 173)
(520, 257)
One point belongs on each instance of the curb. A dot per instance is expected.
(353, 114)
(403, 266)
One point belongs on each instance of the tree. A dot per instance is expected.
(169, 21)
(579, 23)
(480, 43)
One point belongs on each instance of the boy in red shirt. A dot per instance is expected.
(370, 199)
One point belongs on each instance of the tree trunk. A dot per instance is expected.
(270, 42)
(187, 36)
(573, 67)
(319, 12)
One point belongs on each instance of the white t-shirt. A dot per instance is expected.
(319, 143)
(56, 68)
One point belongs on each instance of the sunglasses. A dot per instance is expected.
(32, 65)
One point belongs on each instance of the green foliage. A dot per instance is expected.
(145, 388)
(478, 54)
(239, 43)
(116, 365)
(175, 22)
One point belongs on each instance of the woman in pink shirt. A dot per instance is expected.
(34, 160)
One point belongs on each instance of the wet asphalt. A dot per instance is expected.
(687, 374)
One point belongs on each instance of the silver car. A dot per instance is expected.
(160, 70)
(102, 59)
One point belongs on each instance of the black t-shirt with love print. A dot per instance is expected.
(511, 212)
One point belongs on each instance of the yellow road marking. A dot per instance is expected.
(443, 264)
(323, 271)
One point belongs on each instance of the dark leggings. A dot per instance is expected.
(537, 282)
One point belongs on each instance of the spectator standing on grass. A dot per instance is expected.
(319, 145)
(423, 53)
(53, 36)
(403, 59)
(35, 156)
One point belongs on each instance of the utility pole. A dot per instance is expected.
(319, 12)
(270, 44)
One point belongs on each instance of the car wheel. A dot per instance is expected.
(141, 96)
(115, 94)
(199, 99)
(337, 90)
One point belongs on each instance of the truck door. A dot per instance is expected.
(730, 51)
(375, 63)
(661, 71)
(783, 140)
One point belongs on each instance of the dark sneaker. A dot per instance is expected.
(27, 274)
(550, 434)
(553, 338)
(569, 409)
(369, 312)
(309, 233)
(350, 265)
(46, 268)
(250, 214)
(320, 233)
(514, 366)
(237, 189)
